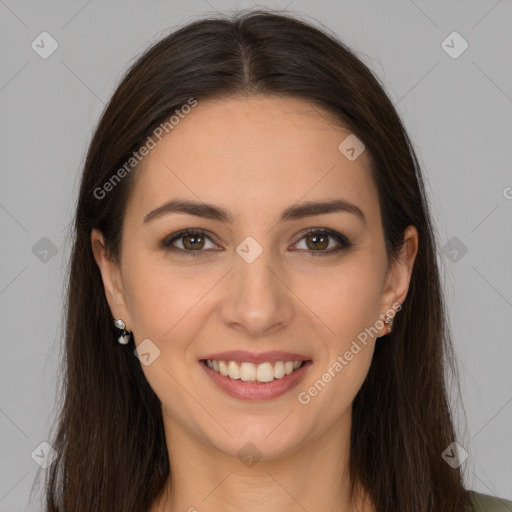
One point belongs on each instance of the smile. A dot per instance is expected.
(250, 372)
(267, 377)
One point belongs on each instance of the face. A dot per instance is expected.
(261, 281)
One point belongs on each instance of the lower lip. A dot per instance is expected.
(257, 391)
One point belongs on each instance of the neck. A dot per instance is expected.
(314, 477)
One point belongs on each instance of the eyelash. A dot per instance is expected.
(342, 240)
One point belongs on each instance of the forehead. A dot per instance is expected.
(264, 152)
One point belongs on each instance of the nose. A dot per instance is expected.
(258, 299)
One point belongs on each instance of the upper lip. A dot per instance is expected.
(241, 356)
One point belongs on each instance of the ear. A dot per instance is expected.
(112, 279)
(399, 275)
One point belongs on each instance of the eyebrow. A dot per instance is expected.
(210, 211)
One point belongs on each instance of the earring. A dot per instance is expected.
(389, 323)
(125, 335)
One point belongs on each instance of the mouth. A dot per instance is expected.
(255, 378)
(250, 372)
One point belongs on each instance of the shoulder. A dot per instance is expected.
(487, 503)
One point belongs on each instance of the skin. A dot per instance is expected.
(255, 157)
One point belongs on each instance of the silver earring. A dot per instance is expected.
(389, 322)
(124, 338)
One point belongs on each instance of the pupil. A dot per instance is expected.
(194, 239)
(316, 238)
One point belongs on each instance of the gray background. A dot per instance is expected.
(458, 112)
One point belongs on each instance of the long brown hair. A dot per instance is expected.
(110, 442)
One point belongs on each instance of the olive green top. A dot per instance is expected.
(487, 503)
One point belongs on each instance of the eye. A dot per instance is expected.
(193, 241)
(317, 240)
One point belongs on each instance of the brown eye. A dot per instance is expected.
(317, 241)
(193, 241)
(188, 241)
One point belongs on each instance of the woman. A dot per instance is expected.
(252, 228)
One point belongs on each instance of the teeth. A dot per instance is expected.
(223, 368)
(279, 370)
(265, 372)
(233, 370)
(249, 372)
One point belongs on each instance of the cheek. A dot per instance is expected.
(148, 295)
(158, 303)
(346, 299)
(348, 309)
(166, 299)
(168, 302)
